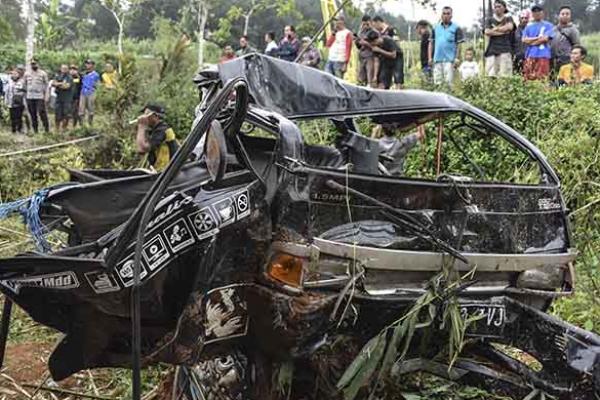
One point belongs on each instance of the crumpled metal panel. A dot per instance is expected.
(508, 219)
(76, 296)
(295, 92)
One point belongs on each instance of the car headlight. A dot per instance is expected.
(287, 269)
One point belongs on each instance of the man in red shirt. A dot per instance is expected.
(340, 49)
(227, 55)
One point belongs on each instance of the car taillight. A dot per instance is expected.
(287, 269)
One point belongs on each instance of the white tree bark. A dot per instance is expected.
(31, 21)
(203, 9)
(247, 21)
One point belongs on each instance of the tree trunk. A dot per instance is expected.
(30, 20)
(202, 19)
(247, 21)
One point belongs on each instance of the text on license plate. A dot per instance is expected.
(490, 322)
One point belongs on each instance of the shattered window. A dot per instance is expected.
(471, 151)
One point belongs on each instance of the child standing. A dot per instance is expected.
(469, 68)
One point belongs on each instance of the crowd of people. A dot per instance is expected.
(528, 45)
(71, 92)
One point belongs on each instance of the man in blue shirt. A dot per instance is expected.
(444, 48)
(89, 80)
(537, 36)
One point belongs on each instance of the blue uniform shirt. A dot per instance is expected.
(535, 29)
(446, 39)
(88, 83)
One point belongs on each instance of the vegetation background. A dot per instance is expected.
(159, 59)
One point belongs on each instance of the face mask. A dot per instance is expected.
(15, 78)
(34, 67)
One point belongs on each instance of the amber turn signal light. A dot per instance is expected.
(287, 269)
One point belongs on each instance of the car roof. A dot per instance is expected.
(299, 92)
(295, 92)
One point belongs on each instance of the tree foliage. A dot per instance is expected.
(12, 16)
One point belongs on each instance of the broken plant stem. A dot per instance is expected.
(66, 392)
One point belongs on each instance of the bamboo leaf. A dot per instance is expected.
(366, 353)
(363, 367)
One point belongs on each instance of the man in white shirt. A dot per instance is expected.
(469, 68)
(340, 49)
(271, 48)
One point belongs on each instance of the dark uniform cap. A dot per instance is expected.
(155, 108)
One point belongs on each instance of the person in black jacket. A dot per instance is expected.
(74, 71)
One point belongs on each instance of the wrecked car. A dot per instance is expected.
(270, 251)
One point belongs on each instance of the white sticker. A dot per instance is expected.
(226, 314)
(242, 204)
(179, 235)
(125, 271)
(155, 252)
(102, 282)
(548, 204)
(225, 209)
(60, 281)
(204, 223)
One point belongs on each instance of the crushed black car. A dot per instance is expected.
(269, 251)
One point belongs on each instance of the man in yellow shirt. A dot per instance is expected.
(109, 76)
(576, 71)
(155, 138)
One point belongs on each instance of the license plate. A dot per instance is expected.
(490, 322)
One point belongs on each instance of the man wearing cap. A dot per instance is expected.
(311, 57)
(537, 36)
(87, 100)
(340, 49)
(63, 84)
(518, 45)
(36, 87)
(498, 55)
(155, 138)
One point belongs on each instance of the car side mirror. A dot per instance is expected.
(215, 151)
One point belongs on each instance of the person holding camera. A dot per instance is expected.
(63, 85)
(289, 46)
(388, 52)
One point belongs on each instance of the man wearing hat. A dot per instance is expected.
(36, 88)
(311, 57)
(87, 100)
(538, 36)
(155, 138)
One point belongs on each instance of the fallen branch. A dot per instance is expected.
(67, 392)
(18, 387)
(52, 146)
